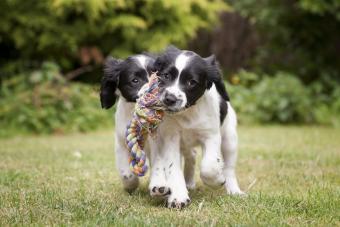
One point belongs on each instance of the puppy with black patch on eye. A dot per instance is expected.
(122, 80)
(199, 113)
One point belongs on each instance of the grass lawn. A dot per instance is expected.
(292, 175)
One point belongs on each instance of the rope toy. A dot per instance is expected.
(147, 116)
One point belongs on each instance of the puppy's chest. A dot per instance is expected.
(195, 128)
(189, 139)
(195, 121)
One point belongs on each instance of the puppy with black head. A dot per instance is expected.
(199, 113)
(122, 80)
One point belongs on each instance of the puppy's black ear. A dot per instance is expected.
(109, 82)
(215, 76)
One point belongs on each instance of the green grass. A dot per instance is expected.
(293, 176)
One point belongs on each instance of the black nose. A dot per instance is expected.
(169, 99)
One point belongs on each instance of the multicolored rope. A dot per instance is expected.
(147, 116)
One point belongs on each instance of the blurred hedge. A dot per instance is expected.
(297, 66)
(300, 37)
(73, 33)
(42, 101)
(282, 98)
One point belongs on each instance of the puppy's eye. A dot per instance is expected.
(135, 80)
(191, 83)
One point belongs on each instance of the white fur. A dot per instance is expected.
(178, 93)
(198, 125)
(166, 164)
(130, 181)
(181, 62)
(229, 151)
(176, 137)
(142, 61)
(122, 117)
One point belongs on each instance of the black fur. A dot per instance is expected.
(126, 75)
(223, 110)
(109, 82)
(166, 59)
(198, 76)
(216, 77)
(218, 81)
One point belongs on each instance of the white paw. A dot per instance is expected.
(212, 173)
(214, 181)
(236, 193)
(159, 191)
(232, 187)
(178, 201)
(130, 182)
(158, 186)
(191, 184)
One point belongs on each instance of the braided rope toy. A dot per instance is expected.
(147, 116)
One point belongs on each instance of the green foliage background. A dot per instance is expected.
(283, 98)
(44, 102)
(298, 36)
(292, 78)
(42, 40)
(32, 32)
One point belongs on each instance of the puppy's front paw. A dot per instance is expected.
(232, 187)
(212, 175)
(130, 182)
(191, 184)
(236, 192)
(178, 200)
(159, 191)
(214, 181)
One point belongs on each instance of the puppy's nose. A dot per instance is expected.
(169, 99)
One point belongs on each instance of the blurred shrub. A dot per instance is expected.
(43, 102)
(327, 107)
(73, 32)
(301, 37)
(281, 98)
(234, 42)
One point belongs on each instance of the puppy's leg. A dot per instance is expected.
(179, 197)
(166, 162)
(229, 150)
(189, 167)
(212, 161)
(158, 185)
(129, 179)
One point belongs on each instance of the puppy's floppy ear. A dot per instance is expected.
(215, 76)
(109, 82)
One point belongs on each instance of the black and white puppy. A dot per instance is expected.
(201, 114)
(124, 79)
